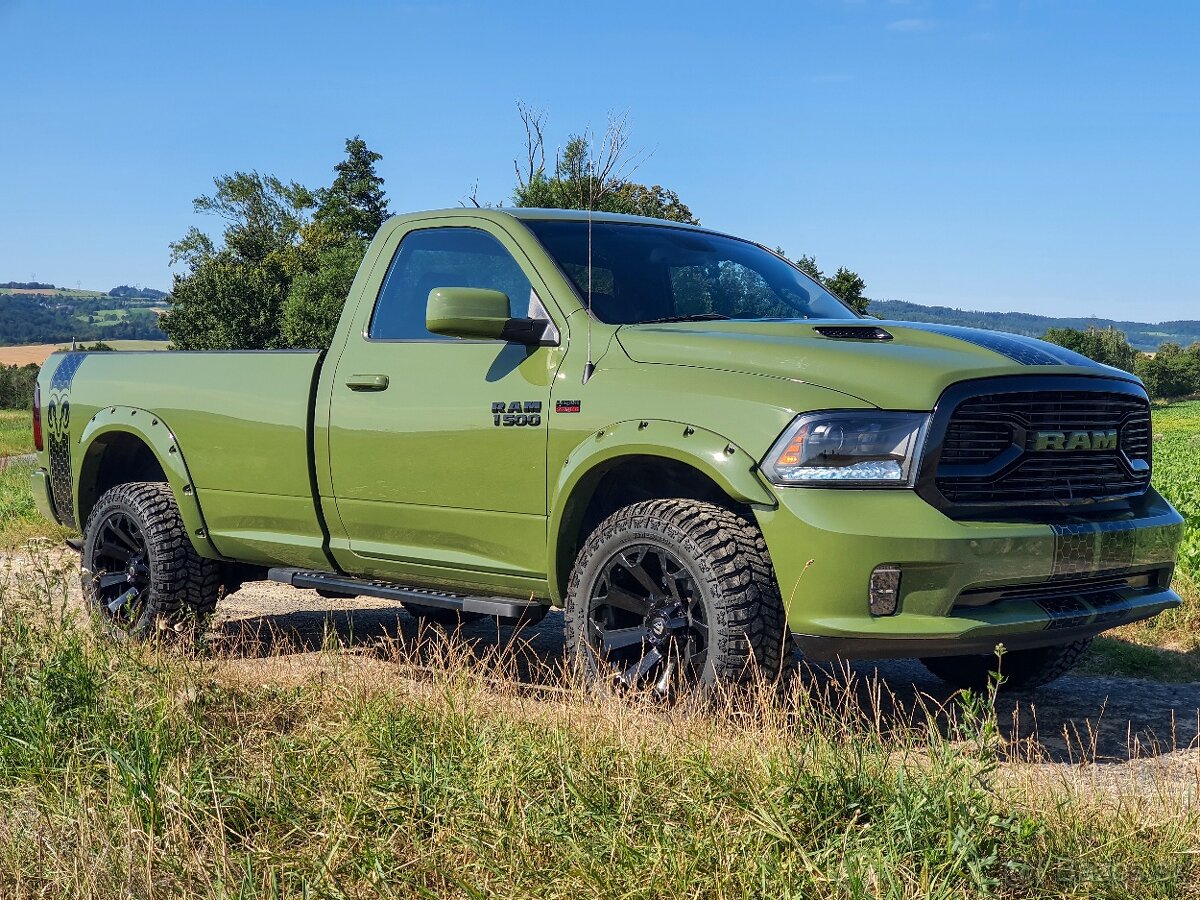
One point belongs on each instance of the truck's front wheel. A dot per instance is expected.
(675, 591)
(1021, 669)
(141, 575)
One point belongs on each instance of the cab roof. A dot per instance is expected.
(526, 214)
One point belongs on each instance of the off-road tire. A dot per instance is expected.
(1021, 669)
(181, 587)
(727, 559)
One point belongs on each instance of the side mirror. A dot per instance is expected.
(479, 314)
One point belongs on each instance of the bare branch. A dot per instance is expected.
(534, 122)
(472, 198)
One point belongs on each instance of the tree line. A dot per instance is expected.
(32, 320)
(16, 386)
(279, 273)
(1170, 373)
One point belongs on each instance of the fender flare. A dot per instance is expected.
(153, 431)
(730, 467)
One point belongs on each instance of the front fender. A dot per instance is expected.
(153, 431)
(729, 466)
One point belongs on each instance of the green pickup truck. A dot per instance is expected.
(674, 434)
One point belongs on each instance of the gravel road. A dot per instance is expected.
(1077, 719)
(1128, 727)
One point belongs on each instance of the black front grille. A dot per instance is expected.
(992, 452)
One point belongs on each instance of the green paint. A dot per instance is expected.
(446, 463)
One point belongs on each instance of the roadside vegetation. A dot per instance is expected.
(409, 768)
(16, 432)
(1167, 647)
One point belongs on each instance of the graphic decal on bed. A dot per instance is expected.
(58, 437)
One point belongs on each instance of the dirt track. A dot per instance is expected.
(1080, 718)
(1129, 727)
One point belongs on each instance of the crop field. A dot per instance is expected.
(66, 294)
(24, 354)
(1177, 473)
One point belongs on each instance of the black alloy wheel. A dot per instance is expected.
(142, 577)
(119, 570)
(674, 593)
(647, 619)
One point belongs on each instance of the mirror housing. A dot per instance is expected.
(479, 314)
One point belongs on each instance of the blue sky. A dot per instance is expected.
(1037, 156)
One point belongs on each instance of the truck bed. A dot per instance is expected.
(243, 419)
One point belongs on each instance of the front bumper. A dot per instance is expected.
(825, 542)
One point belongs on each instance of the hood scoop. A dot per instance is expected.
(853, 332)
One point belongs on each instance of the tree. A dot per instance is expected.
(1171, 372)
(232, 294)
(226, 304)
(849, 286)
(314, 303)
(280, 273)
(355, 205)
(808, 265)
(587, 175)
(846, 284)
(1104, 345)
(351, 210)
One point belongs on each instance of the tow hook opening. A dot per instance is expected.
(884, 594)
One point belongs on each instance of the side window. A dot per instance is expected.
(442, 257)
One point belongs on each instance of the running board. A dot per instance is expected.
(515, 612)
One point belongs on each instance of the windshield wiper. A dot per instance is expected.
(699, 317)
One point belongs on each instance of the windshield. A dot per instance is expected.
(650, 273)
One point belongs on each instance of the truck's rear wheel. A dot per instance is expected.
(675, 591)
(141, 575)
(1022, 669)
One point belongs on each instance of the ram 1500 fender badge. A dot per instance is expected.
(517, 413)
(1075, 440)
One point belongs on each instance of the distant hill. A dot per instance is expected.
(44, 315)
(1142, 335)
(130, 293)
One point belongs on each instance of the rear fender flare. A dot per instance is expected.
(153, 431)
(730, 467)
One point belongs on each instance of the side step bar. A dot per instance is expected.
(515, 612)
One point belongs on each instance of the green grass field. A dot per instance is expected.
(106, 316)
(422, 767)
(16, 432)
(418, 771)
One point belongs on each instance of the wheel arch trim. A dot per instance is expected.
(727, 465)
(153, 431)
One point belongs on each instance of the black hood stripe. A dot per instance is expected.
(1024, 350)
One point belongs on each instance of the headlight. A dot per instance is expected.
(852, 448)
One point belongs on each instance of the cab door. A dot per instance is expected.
(437, 446)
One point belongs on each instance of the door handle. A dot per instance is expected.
(367, 382)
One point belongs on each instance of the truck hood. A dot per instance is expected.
(909, 370)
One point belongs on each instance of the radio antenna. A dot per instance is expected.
(611, 167)
(589, 368)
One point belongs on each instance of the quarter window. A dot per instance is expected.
(436, 258)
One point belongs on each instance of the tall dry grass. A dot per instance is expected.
(423, 767)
